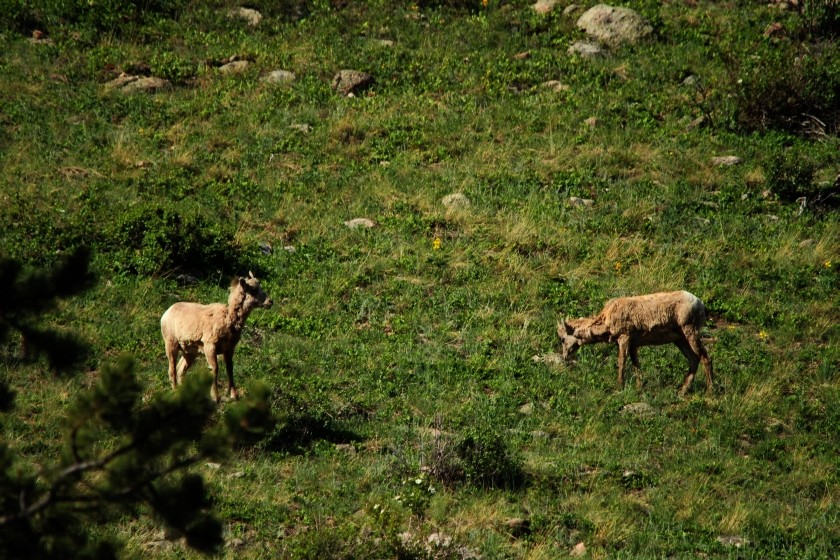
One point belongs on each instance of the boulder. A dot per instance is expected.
(614, 26)
(348, 82)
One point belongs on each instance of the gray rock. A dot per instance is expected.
(121, 81)
(551, 358)
(580, 202)
(250, 16)
(639, 409)
(726, 161)
(456, 200)
(348, 82)
(148, 85)
(587, 49)
(556, 85)
(235, 67)
(545, 6)
(280, 77)
(614, 26)
(357, 223)
(732, 540)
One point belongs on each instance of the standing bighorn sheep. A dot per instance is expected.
(212, 329)
(644, 321)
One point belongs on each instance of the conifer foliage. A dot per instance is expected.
(121, 456)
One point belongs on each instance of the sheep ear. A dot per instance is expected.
(564, 328)
(251, 275)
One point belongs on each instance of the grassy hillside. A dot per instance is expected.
(414, 419)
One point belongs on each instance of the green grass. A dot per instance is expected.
(386, 355)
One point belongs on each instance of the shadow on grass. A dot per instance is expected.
(297, 435)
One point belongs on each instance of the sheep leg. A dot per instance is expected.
(210, 354)
(693, 338)
(172, 355)
(693, 361)
(623, 347)
(634, 357)
(229, 367)
(184, 364)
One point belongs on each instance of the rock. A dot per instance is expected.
(731, 540)
(526, 409)
(578, 550)
(614, 26)
(121, 81)
(303, 128)
(726, 161)
(234, 67)
(148, 85)
(556, 85)
(591, 122)
(518, 527)
(250, 16)
(690, 81)
(774, 31)
(357, 223)
(279, 77)
(213, 465)
(551, 358)
(439, 540)
(387, 43)
(545, 6)
(351, 81)
(456, 200)
(580, 202)
(639, 409)
(587, 49)
(265, 248)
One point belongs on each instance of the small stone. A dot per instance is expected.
(349, 82)
(726, 161)
(580, 202)
(731, 540)
(301, 127)
(387, 43)
(357, 223)
(556, 85)
(148, 85)
(213, 465)
(640, 409)
(279, 77)
(690, 81)
(592, 122)
(456, 200)
(774, 31)
(550, 358)
(265, 248)
(587, 49)
(250, 16)
(289, 248)
(578, 550)
(544, 6)
(234, 67)
(526, 409)
(236, 543)
(120, 81)
(518, 527)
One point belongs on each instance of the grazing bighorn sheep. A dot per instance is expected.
(644, 321)
(212, 329)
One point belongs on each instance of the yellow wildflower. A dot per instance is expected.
(436, 243)
(762, 335)
(617, 267)
(827, 264)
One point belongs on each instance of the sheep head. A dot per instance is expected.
(569, 343)
(255, 296)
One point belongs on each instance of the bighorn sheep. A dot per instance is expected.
(212, 329)
(644, 321)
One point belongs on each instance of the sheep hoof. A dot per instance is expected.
(234, 394)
